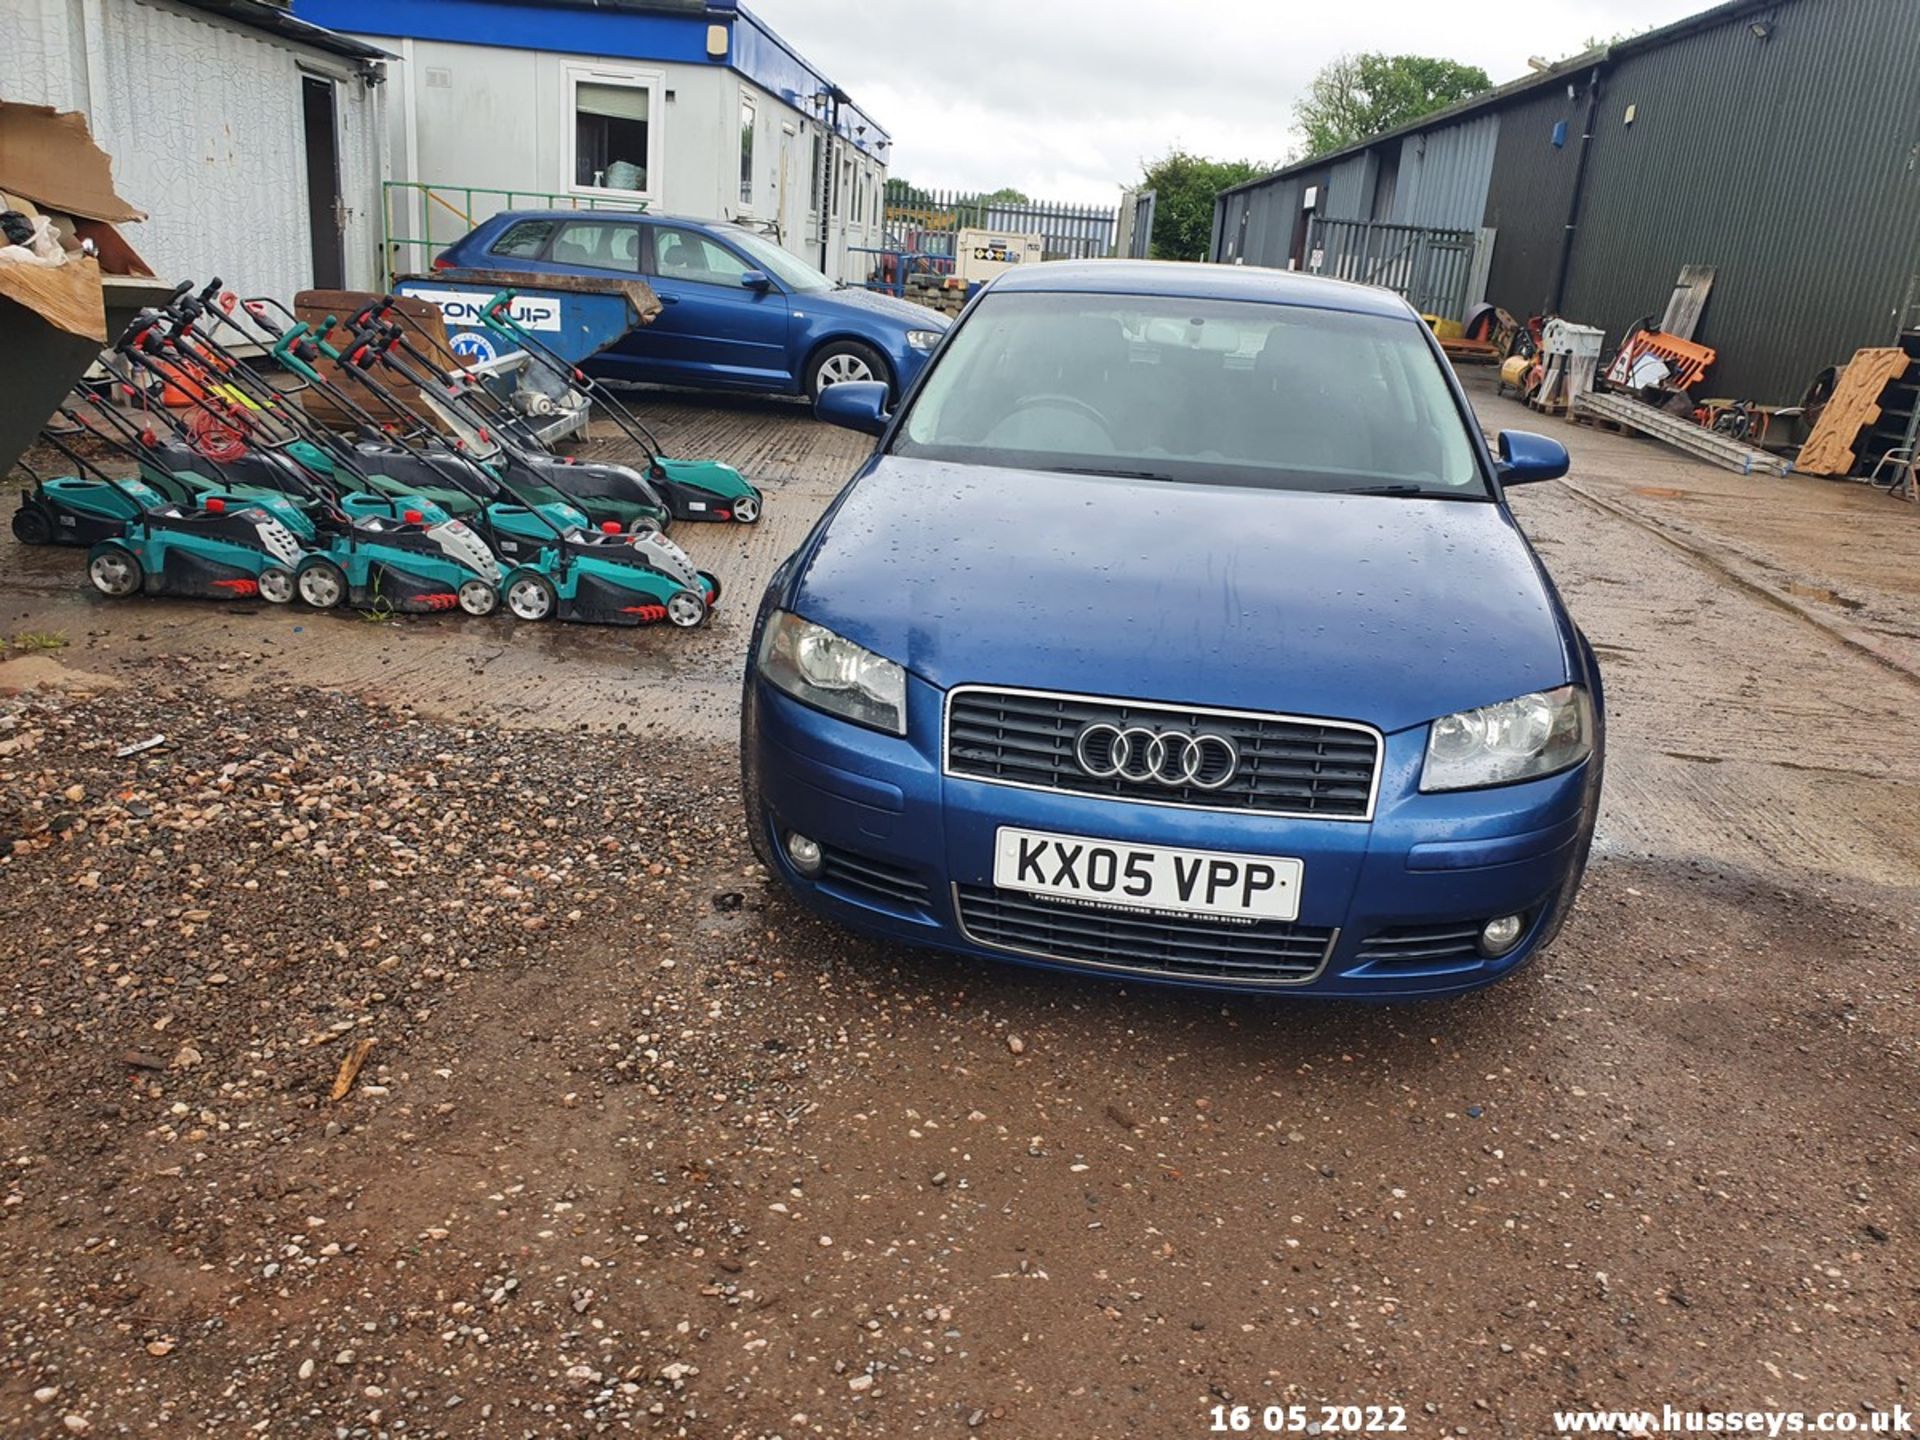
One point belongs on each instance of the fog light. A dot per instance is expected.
(1501, 934)
(804, 853)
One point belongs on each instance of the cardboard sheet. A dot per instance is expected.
(47, 156)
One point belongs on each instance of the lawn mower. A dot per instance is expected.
(485, 428)
(220, 551)
(387, 553)
(568, 572)
(695, 489)
(78, 509)
(249, 425)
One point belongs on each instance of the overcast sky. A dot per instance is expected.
(1064, 98)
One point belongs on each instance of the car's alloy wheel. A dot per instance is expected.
(842, 361)
(839, 369)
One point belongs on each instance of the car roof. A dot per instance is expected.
(587, 214)
(1190, 280)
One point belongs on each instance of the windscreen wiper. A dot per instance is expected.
(1416, 492)
(1115, 474)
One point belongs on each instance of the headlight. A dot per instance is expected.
(924, 339)
(1522, 739)
(828, 672)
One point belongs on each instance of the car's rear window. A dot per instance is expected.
(1224, 392)
(524, 239)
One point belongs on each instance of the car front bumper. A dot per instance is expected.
(1390, 908)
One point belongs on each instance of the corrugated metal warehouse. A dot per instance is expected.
(1778, 142)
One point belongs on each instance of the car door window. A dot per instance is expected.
(603, 244)
(525, 239)
(690, 256)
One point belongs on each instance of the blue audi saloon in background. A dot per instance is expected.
(1178, 628)
(737, 312)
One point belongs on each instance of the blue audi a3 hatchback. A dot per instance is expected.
(737, 312)
(1178, 628)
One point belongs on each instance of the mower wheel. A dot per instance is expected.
(644, 526)
(277, 585)
(322, 584)
(531, 596)
(746, 509)
(30, 526)
(115, 571)
(687, 609)
(477, 597)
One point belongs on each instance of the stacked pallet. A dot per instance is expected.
(1871, 411)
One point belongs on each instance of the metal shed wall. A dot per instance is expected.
(1255, 226)
(1788, 162)
(203, 122)
(1349, 193)
(1527, 196)
(1444, 173)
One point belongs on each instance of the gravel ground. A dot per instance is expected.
(639, 1148)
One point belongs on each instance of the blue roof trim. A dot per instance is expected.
(622, 32)
(625, 34)
(771, 63)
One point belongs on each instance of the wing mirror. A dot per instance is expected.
(756, 280)
(1526, 457)
(856, 404)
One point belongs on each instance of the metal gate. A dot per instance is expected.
(1140, 243)
(1432, 268)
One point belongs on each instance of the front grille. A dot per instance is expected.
(1417, 945)
(869, 879)
(1287, 766)
(1268, 953)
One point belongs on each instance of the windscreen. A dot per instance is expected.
(1220, 392)
(789, 270)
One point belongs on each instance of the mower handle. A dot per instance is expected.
(135, 333)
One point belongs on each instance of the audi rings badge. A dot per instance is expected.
(1173, 758)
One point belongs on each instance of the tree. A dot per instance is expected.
(1184, 187)
(1356, 96)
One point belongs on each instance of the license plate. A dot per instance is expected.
(1147, 877)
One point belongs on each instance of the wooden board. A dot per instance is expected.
(1855, 405)
(1689, 298)
(425, 328)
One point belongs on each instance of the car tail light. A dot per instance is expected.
(441, 262)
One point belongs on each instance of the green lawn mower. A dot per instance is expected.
(695, 489)
(218, 551)
(402, 443)
(364, 548)
(569, 572)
